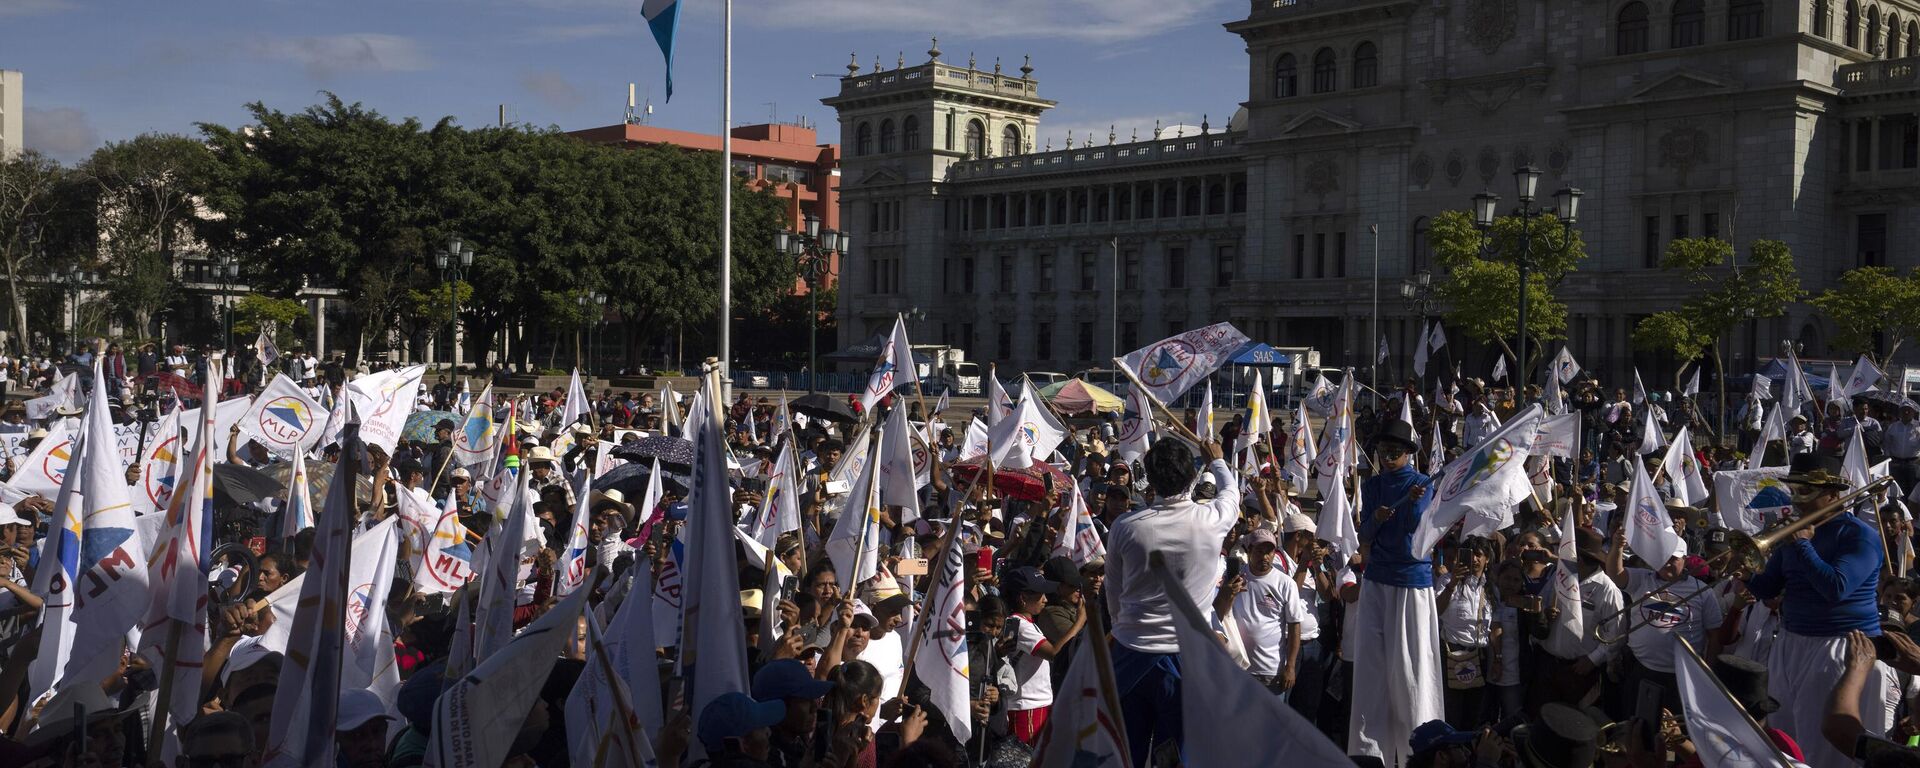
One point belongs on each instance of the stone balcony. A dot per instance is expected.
(1887, 77)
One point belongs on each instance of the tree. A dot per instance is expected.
(1873, 305)
(1482, 293)
(145, 205)
(36, 212)
(1761, 288)
(255, 311)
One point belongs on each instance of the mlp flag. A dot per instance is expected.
(1482, 485)
(895, 367)
(1499, 369)
(1650, 437)
(92, 576)
(160, 466)
(1205, 424)
(1078, 539)
(1863, 377)
(713, 647)
(1086, 728)
(283, 418)
(1381, 355)
(446, 562)
(1742, 497)
(1639, 389)
(1683, 468)
(576, 404)
(570, 570)
(476, 719)
(1029, 435)
(898, 486)
(940, 658)
(1259, 421)
(1650, 531)
(1555, 436)
(1172, 366)
(1564, 366)
(998, 404)
(474, 443)
(383, 401)
(780, 510)
(1571, 623)
(1136, 426)
(602, 728)
(177, 574)
(663, 18)
(1723, 734)
(854, 545)
(264, 347)
(45, 468)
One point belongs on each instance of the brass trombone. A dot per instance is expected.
(1747, 552)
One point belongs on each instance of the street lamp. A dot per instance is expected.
(594, 305)
(1566, 208)
(453, 263)
(227, 272)
(813, 248)
(1418, 293)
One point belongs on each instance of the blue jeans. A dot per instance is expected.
(1149, 686)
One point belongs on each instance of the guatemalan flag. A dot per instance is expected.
(663, 17)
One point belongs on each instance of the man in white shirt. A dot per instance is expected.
(1901, 442)
(1576, 661)
(1801, 440)
(1679, 605)
(1188, 535)
(1268, 614)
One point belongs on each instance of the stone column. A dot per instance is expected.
(320, 326)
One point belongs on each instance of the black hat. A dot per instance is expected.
(1561, 737)
(1819, 468)
(1590, 545)
(1397, 431)
(1746, 680)
(1062, 570)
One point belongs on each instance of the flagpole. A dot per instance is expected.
(1178, 425)
(1373, 374)
(1745, 716)
(724, 387)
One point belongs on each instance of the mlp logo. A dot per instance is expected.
(158, 476)
(285, 420)
(1166, 362)
(1664, 610)
(357, 607)
(1133, 423)
(54, 466)
(1486, 461)
(1028, 434)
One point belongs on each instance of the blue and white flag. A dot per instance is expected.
(663, 17)
(1169, 367)
(1483, 485)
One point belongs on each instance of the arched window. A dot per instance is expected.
(1010, 141)
(1630, 29)
(1146, 202)
(1190, 206)
(1746, 19)
(1873, 30)
(1366, 66)
(1216, 198)
(910, 133)
(1689, 23)
(1326, 71)
(1893, 35)
(976, 139)
(1420, 256)
(1913, 39)
(886, 136)
(1823, 18)
(863, 141)
(1850, 24)
(1286, 78)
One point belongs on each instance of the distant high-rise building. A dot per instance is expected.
(12, 111)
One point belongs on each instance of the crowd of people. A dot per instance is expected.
(1074, 568)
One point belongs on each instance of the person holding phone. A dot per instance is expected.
(1396, 644)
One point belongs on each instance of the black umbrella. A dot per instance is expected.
(241, 484)
(631, 481)
(824, 407)
(1897, 401)
(672, 451)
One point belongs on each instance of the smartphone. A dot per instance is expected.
(1534, 556)
(983, 559)
(1234, 565)
(912, 566)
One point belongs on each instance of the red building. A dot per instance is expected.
(785, 158)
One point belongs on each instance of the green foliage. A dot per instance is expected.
(254, 311)
(433, 306)
(1872, 304)
(1482, 293)
(1762, 287)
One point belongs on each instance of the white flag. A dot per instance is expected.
(1499, 368)
(896, 470)
(1798, 390)
(1742, 497)
(576, 404)
(1693, 383)
(713, 647)
(1030, 435)
(65, 391)
(940, 659)
(476, 719)
(1639, 389)
(1381, 354)
(296, 514)
(1299, 449)
(780, 509)
(307, 703)
(602, 726)
(1172, 366)
(384, 400)
(1335, 524)
(1650, 531)
(894, 368)
(1552, 399)
(1836, 387)
(1683, 470)
(264, 347)
(854, 544)
(1205, 425)
(1864, 376)
(160, 466)
(1762, 388)
(283, 419)
(1420, 350)
(44, 469)
(1564, 366)
(1320, 398)
(1555, 436)
(631, 649)
(1259, 421)
(999, 406)
(177, 574)
(570, 570)
(1853, 465)
(974, 443)
(1237, 717)
(1771, 429)
(500, 579)
(1723, 735)
(1079, 540)
(446, 562)
(92, 576)
(1136, 426)
(1570, 625)
(1086, 728)
(1482, 486)
(1651, 438)
(1439, 338)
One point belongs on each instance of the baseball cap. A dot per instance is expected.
(734, 715)
(11, 516)
(1434, 734)
(461, 473)
(246, 652)
(1299, 521)
(1262, 536)
(358, 706)
(1027, 579)
(894, 604)
(788, 679)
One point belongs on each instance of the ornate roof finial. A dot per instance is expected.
(996, 65)
(1156, 128)
(1203, 124)
(934, 52)
(1110, 134)
(901, 62)
(970, 60)
(1136, 135)
(876, 63)
(853, 64)
(1026, 67)
(1069, 139)
(1089, 138)
(1049, 145)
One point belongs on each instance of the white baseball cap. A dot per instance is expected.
(359, 706)
(10, 516)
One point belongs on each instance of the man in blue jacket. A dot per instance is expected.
(1396, 644)
(1828, 577)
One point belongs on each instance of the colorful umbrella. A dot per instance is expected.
(1074, 396)
(1029, 484)
(420, 425)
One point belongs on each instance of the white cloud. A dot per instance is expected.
(35, 7)
(330, 55)
(62, 133)
(567, 33)
(552, 89)
(1095, 21)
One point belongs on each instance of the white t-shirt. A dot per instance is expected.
(1262, 612)
(1309, 596)
(1469, 615)
(1665, 613)
(1035, 673)
(1188, 534)
(885, 652)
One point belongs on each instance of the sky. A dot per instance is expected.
(109, 70)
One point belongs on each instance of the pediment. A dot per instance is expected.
(1685, 83)
(880, 176)
(1318, 121)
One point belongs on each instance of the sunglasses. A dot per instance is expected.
(1392, 453)
(1804, 492)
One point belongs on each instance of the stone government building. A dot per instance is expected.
(1796, 120)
